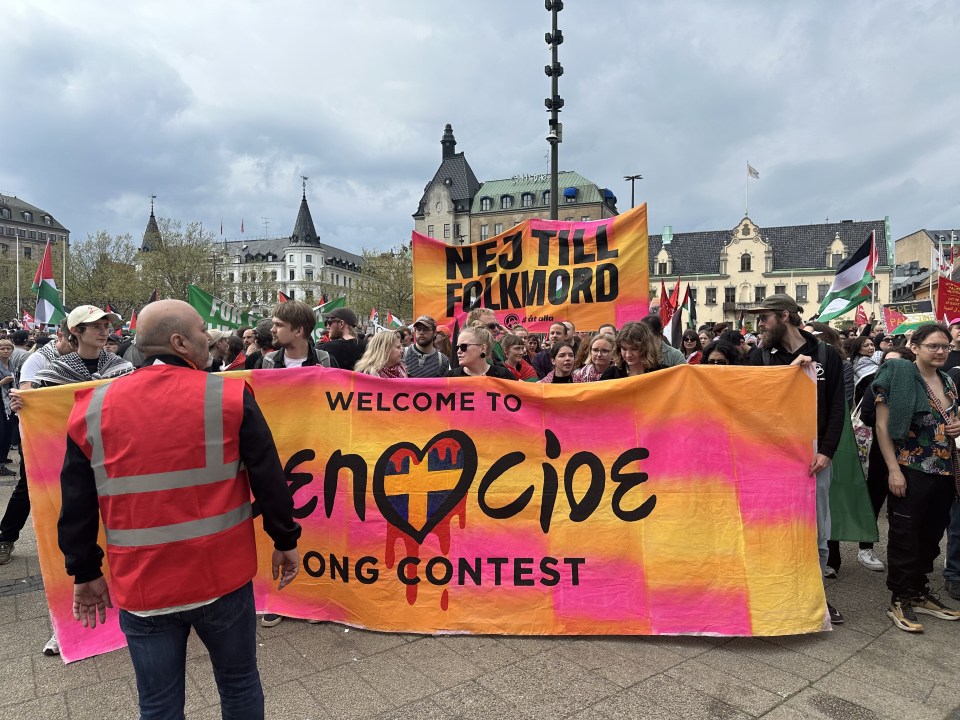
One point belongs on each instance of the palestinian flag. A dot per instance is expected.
(133, 322)
(851, 286)
(153, 298)
(690, 305)
(393, 322)
(742, 322)
(374, 317)
(281, 298)
(49, 306)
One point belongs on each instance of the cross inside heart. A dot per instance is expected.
(413, 495)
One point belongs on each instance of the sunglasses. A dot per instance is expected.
(328, 323)
(493, 326)
(716, 362)
(690, 339)
(462, 347)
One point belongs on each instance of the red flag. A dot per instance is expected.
(675, 297)
(281, 297)
(154, 297)
(665, 313)
(28, 320)
(742, 322)
(374, 316)
(861, 317)
(107, 308)
(133, 322)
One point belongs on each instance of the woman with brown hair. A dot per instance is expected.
(639, 352)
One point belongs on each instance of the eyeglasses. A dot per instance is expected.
(764, 316)
(462, 347)
(716, 362)
(328, 323)
(690, 339)
(600, 351)
(935, 347)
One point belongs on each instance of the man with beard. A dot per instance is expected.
(343, 346)
(421, 358)
(784, 343)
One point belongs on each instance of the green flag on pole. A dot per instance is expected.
(216, 313)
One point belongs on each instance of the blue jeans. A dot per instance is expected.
(158, 649)
(951, 570)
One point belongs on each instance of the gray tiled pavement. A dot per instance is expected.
(864, 669)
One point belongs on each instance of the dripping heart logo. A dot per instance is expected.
(415, 488)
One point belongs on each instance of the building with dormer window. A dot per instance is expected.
(459, 209)
(28, 225)
(734, 270)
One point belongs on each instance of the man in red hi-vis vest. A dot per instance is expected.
(173, 487)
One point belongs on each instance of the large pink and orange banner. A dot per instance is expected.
(661, 504)
(590, 273)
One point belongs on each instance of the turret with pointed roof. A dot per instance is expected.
(152, 240)
(304, 232)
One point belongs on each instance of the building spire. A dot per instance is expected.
(304, 233)
(152, 240)
(448, 142)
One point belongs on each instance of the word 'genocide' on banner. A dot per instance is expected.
(590, 273)
(594, 513)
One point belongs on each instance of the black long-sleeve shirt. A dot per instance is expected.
(79, 520)
(830, 388)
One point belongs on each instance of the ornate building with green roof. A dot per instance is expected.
(459, 209)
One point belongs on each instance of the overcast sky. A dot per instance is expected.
(848, 110)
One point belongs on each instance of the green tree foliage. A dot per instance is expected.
(103, 269)
(184, 258)
(386, 283)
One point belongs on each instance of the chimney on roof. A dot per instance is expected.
(448, 142)
(667, 234)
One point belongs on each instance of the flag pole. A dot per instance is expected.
(18, 273)
(746, 192)
(63, 292)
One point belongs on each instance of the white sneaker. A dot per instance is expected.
(52, 647)
(868, 558)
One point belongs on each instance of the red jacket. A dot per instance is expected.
(175, 504)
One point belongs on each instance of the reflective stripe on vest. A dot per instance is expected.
(215, 470)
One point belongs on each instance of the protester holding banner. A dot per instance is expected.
(784, 343)
(383, 356)
(602, 350)
(473, 347)
(180, 543)
(916, 428)
(561, 355)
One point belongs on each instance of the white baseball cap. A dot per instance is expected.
(88, 314)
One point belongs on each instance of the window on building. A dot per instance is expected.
(21, 232)
(730, 295)
(779, 289)
(10, 231)
(661, 268)
(801, 293)
(584, 218)
(506, 202)
(429, 230)
(822, 290)
(32, 234)
(308, 258)
(291, 258)
(484, 232)
(711, 296)
(569, 198)
(5, 213)
(292, 294)
(456, 230)
(836, 260)
(745, 262)
(274, 276)
(693, 294)
(47, 220)
(43, 235)
(446, 231)
(28, 216)
(293, 274)
(526, 200)
(232, 277)
(28, 252)
(759, 293)
(486, 203)
(546, 197)
(498, 228)
(309, 275)
(246, 296)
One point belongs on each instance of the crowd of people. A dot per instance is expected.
(901, 388)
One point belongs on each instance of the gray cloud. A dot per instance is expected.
(848, 109)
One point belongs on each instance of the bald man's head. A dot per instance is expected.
(172, 327)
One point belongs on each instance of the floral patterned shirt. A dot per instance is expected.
(926, 448)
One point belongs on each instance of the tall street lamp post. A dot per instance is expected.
(554, 70)
(632, 179)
